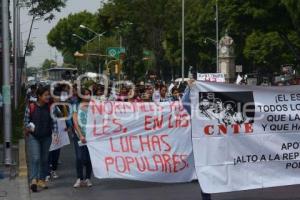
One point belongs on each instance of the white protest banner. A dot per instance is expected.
(245, 137)
(211, 77)
(140, 141)
(60, 139)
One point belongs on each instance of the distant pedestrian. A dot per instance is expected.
(31, 94)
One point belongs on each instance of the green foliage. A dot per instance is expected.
(266, 49)
(46, 8)
(61, 35)
(30, 48)
(17, 120)
(266, 33)
(47, 64)
(30, 71)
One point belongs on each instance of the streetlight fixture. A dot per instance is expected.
(79, 37)
(97, 34)
(119, 30)
(216, 43)
(91, 30)
(211, 40)
(87, 46)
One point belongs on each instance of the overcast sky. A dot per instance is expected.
(42, 28)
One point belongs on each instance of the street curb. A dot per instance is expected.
(22, 159)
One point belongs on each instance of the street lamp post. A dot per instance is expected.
(87, 46)
(120, 36)
(99, 35)
(7, 114)
(216, 42)
(16, 18)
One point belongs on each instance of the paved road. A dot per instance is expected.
(61, 189)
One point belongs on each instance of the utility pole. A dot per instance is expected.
(20, 43)
(6, 84)
(182, 40)
(99, 35)
(16, 50)
(99, 49)
(217, 37)
(120, 40)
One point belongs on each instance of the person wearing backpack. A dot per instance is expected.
(39, 127)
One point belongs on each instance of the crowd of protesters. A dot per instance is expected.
(41, 127)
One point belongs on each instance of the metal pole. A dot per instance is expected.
(6, 83)
(217, 37)
(120, 63)
(99, 60)
(16, 51)
(182, 40)
(87, 54)
(20, 64)
(120, 39)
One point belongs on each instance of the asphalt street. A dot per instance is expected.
(61, 189)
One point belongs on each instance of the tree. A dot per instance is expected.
(47, 64)
(266, 33)
(30, 48)
(31, 71)
(61, 35)
(150, 21)
(267, 49)
(46, 8)
(41, 9)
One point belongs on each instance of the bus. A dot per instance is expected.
(59, 74)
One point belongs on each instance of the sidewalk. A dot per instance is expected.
(15, 189)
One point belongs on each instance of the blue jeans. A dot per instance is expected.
(82, 160)
(38, 155)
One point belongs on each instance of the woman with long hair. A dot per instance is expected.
(39, 127)
(82, 153)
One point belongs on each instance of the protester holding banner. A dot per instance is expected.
(54, 155)
(74, 101)
(61, 138)
(164, 96)
(175, 94)
(38, 128)
(82, 154)
(187, 105)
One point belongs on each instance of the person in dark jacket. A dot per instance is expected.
(186, 101)
(38, 130)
